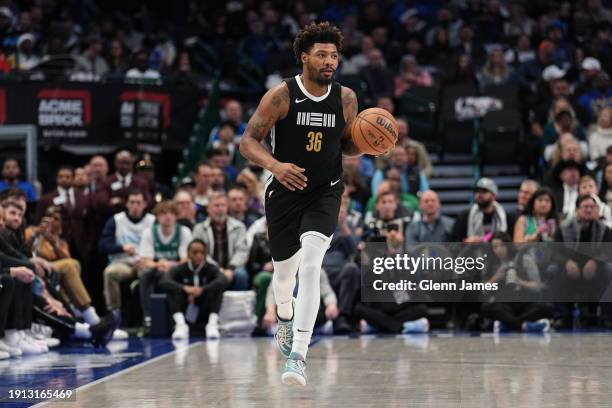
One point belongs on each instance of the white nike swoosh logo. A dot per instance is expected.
(300, 100)
(333, 183)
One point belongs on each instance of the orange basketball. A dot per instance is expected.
(374, 131)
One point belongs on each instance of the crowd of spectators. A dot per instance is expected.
(63, 247)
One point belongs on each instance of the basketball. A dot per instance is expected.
(374, 131)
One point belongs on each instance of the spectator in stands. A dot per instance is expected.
(432, 226)
(600, 135)
(388, 215)
(521, 53)
(605, 192)
(519, 281)
(485, 217)
(81, 180)
(220, 159)
(403, 138)
(590, 68)
(561, 119)
(392, 184)
(495, 70)
(74, 207)
(588, 186)
(91, 65)
(440, 52)
(194, 290)
(410, 75)
(539, 221)
(359, 61)
(14, 326)
(567, 147)
(25, 58)
(10, 178)
(526, 190)
(187, 210)
(462, 72)
(203, 185)
(218, 181)
(356, 185)
(567, 176)
(580, 273)
(45, 241)
(378, 77)
(99, 172)
(238, 208)
(519, 23)
(225, 238)
(112, 195)
(531, 70)
(405, 160)
(597, 98)
(247, 179)
(161, 248)
(233, 115)
(116, 57)
(226, 140)
(140, 71)
(470, 47)
(145, 169)
(120, 240)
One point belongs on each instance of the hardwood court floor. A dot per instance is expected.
(559, 370)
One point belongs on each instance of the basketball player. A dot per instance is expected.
(308, 117)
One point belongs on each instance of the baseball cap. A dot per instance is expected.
(552, 72)
(6, 12)
(486, 184)
(591, 64)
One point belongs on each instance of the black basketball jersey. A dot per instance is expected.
(309, 136)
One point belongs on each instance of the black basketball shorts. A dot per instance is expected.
(291, 214)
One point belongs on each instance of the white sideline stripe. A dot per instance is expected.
(117, 374)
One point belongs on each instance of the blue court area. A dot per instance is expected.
(76, 365)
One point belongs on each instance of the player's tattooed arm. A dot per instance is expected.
(273, 107)
(349, 106)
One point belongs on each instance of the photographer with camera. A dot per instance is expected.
(389, 225)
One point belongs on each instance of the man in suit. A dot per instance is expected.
(567, 177)
(112, 194)
(75, 207)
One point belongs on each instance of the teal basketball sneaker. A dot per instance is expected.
(284, 334)
(295, 371)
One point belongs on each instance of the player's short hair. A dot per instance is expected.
(165, 206)
(324, 32)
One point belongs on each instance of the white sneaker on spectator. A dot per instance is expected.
(52, 342)
(181, 332)
(119, 334)
(212, 327)
(14, 339)
(4, 355)
(13, 351)
(27, 336)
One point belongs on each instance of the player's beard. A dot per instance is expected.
(317, 75)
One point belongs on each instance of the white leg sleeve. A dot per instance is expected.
(314, 247)
(283, 283)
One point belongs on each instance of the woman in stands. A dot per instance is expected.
(539, 220)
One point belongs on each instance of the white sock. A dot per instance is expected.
(213, 319)
(179, 318)
(81, 331)
(283, 283)
(12, 336)
(309, 291)
(90, 316)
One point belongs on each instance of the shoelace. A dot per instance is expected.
(298, 365)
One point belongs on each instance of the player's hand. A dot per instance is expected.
(331, 311)
(290, 175)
